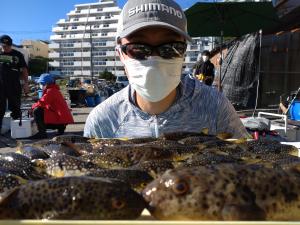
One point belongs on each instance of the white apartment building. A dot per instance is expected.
(84, 43)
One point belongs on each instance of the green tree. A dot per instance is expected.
(38, 65)
(107, 75)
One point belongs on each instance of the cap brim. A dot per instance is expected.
(144, 25)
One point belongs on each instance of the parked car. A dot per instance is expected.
(122, 79)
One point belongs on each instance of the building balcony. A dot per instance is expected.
(80, 36)
(82, 45)
(82, 54)
(82, 72)
(53, 55)
(114, 63)
(54, 64)
(83, 63)
(54, 46)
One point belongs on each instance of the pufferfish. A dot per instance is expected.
(72, 198)
(225, 192)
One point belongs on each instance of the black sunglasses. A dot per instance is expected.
(143, 51)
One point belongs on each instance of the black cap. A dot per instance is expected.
(5, 39)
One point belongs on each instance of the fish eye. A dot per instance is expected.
(180, 187)
(117, 203)
(143, 184)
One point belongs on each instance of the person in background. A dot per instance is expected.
(204, 69)
(51, 111)
(13, 68)
(151, 43)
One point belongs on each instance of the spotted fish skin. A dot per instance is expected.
(105, 160)
(137, 179)
(10, 181)
(208, 158)
(70, 138)
(24, 170)
(133, 154)
(154, 167)
(72, 198)
(225, 192)
(32, 152)
(263, 146)
(53, 148)
(64, 165)
(16, 158)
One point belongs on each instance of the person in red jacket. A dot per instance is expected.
(51, 111)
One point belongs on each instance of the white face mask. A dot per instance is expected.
(41, 86)
(154, 78)
(205, 58)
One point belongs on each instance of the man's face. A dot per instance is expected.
(6, 48)
(153, 36)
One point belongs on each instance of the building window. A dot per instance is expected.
(104, 34)
(100, 9)
(65, 28)
(67, 45)
(94, 35)
(99, 43)
(98, 17)
(78, 11)
(67, 54)
(74, 27)
(101, 53)
(96, 26)
(67, 63)
(99, 63)
(76, 19)
(105, 25)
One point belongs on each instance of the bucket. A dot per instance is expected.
(40, 93)
(295, 110)
(90, 101)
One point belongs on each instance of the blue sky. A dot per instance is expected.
(34, 19)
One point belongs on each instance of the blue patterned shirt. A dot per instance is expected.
(197, 106)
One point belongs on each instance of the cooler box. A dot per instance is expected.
(27, 129)
(5, 123)
(295, 110)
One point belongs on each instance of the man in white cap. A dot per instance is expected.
(151, 43)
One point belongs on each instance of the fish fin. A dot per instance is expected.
(40, 163)
(204, 131)
(295, 168)
(224, 135)
(20, 179)
(19, 147)
(7, 196)
(240, 141)
(73, 146)
(242, 212)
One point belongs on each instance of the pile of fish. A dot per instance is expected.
(178, 176)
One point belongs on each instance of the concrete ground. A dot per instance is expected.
(7, 144)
